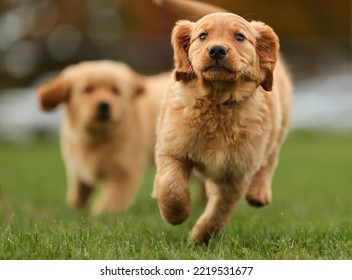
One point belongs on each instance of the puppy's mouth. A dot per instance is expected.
(102, 124)
(218, 72)
(102, 117)
(217, 68)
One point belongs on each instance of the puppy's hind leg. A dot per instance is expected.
(259, 192)
(222, 201)
(171, 189)
(78, 192)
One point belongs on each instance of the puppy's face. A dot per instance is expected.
(97, 102)
(224, 48)
(97, 94)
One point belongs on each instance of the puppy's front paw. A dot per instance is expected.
(175, 212)
(174, 204)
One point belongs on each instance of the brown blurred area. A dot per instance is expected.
(37, 36)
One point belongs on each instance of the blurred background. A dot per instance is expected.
(311, 213)
(38, 38)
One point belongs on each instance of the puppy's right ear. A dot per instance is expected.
(52, 93)
(181, 40)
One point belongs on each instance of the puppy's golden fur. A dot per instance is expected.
(108, 130)
(225, 116)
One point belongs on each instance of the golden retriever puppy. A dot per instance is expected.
(108, 130)
(225, 116)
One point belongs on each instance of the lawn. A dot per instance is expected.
(310, 217)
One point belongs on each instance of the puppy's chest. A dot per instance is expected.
(222, 139)
(94, 163)
(88, 165)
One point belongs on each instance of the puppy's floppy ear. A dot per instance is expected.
(52, 93)
(267, 46)
(181, 40)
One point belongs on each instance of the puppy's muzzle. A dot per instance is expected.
(217, 52)
(103, 111)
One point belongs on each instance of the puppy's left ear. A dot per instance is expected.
(267, 46)
(181, 40)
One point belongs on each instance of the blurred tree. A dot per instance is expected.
(41, 35)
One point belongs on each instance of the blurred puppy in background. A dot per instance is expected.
(225, 116)
(108, 130)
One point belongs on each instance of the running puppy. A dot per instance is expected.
(108, 130)
(225, 116)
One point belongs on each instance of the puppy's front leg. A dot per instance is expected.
(78, 192)
(171, 188)
(118, 194)
(222, 201)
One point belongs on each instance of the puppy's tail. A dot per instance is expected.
(189, 8)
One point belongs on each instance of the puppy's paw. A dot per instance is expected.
(97, 210)
(201, 234)
(175, 211)
(259, 197)
(174, 204)
(199, 238)
(106, 204)
(174, 199)
(75, 201)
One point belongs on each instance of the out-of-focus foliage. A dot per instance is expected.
(37, 36)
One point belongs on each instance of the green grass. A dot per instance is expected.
(310, 217)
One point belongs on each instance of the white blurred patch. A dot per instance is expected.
(324, 102)
(21, 118)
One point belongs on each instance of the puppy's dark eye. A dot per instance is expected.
(115, 90)
(88, 89)
(203, 36)
(239, 37)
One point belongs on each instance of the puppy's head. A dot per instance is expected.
(97, 95)
(225, 48)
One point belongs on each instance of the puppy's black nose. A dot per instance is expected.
(103, 107)
(217, 52)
